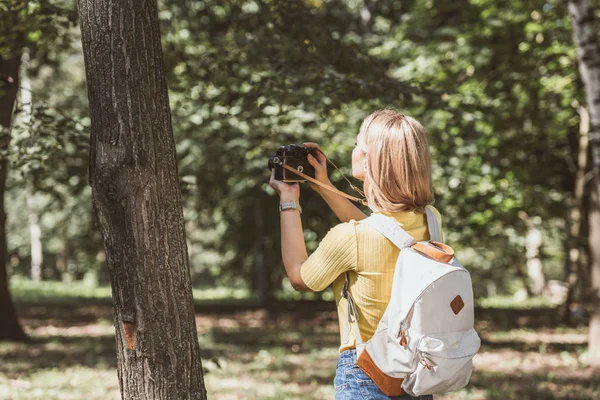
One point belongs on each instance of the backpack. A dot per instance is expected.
(425, 341)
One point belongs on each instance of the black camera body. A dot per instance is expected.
(295, 156)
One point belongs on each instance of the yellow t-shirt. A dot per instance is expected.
(370, 258)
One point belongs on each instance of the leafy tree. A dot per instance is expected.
(247, 77)
(501, 72)
(491, 81)
(37, 26)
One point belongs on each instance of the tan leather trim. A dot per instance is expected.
(438, 251)
(457, 304)
(388, 385)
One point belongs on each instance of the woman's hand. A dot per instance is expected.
(320, 165)
(286, 191)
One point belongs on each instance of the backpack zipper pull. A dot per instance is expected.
(425, 361)
(403, 339)
(403, 328)
(402, 333)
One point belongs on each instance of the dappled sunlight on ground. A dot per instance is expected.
(277, 354)
(91, 330)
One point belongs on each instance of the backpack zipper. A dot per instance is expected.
(403, 328)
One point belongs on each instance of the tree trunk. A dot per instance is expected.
(35, 236)
(9, 84)
(61, 257)
(35, 232)
(136, 198)
(522, 275)
(535, 271)
(263, 275)
(594, 222)
(585, 37)
(573, 259)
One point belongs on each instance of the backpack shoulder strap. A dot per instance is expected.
(435, 233)
(391, 229)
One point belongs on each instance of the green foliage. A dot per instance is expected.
(495, 84)
(48, 153)
(40, 26)
(40, 33)
(246, 77)
(503, 124)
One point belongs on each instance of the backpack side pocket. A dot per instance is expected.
(444, 363)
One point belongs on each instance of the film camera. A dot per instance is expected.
(295, 156)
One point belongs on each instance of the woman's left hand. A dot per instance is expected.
(286, 191)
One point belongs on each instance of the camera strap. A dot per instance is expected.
(324, 186)
(344, 176)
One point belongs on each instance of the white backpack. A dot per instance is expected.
(425, 340)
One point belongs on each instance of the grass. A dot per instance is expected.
(24, 290)
(274, 354)
(510, 302)
(27, 291)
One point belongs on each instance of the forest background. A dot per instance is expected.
(495, 83)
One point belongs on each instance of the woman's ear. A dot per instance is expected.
(365, 167)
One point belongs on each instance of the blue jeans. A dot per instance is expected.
(351, 383)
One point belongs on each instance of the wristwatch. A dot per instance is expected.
(290, 205)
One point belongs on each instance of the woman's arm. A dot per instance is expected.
(293, 248)
(342, 207)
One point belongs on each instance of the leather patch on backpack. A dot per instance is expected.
(457, 304)
(389, 385)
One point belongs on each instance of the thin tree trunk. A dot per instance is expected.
(594, 222)
(263, 276)
(573, 261)
(585, 37)
(35, 236)
(136, 197)
(35, 232)
(535, 271)
(61, 257)
(522, 275)
(9, 83)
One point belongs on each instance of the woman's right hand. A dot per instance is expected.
(320, 165)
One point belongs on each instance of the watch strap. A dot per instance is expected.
(290, 205)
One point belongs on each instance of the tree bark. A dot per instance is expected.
(136, 198)
(588, 55)
(9, 85)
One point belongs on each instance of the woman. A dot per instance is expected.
(392, 157)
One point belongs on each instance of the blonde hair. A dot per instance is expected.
(398, 163)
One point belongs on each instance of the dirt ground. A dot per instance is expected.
(286, 352)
